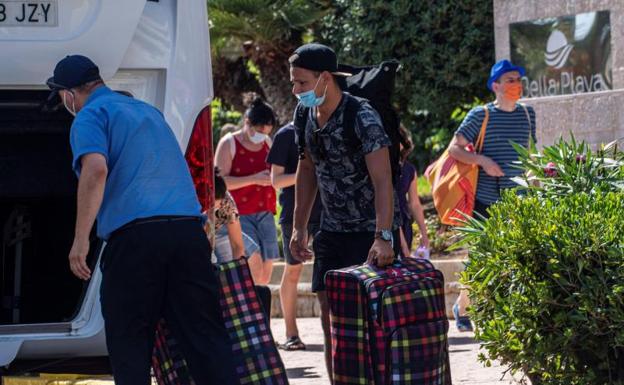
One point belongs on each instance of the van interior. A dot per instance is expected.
(37, 211)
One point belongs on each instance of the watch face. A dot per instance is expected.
(386, 235)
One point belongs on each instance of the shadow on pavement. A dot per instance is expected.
(461, 341)
(315, 347)
(459, 350)
(302, 372)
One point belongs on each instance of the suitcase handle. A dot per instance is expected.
(394, 269)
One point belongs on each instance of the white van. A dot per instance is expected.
(158, 50)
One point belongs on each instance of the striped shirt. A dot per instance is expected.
(503, 128)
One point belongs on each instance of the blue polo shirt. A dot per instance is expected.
(147, 173)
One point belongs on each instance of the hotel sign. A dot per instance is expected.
(563, 55)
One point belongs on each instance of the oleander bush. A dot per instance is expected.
(570, 166)
(546, 270)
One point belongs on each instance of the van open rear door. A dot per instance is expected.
(36, 34)
(36, 176)
(158, 50)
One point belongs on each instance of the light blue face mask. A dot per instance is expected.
(309, 98)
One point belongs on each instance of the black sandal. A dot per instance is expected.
(292, 344)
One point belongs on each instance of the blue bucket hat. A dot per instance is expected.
(501, 68)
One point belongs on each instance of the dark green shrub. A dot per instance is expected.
(546, 270)
(446, 48)
(547, 286)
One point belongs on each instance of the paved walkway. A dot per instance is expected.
(308, 367)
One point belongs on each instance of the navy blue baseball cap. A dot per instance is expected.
(316, 57)
(500, 68)
(73, 71)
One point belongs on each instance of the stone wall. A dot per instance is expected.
(596, 117)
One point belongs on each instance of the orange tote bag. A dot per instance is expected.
(454, 184)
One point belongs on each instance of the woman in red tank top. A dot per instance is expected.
(241, 157)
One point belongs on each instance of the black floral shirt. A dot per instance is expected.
(346, 189)
(227, 212)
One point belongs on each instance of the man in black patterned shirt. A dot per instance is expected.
(345, 156)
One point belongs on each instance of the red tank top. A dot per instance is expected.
(254, 198)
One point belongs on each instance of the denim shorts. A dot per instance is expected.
(223, 249)
(261, 228)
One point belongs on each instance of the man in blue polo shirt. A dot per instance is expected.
(508, 122)
(133, 178)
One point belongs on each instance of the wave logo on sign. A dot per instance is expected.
(557, 50)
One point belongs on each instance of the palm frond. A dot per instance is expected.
(269, 27)
(300, 15)
(262, 20)
(225, 24)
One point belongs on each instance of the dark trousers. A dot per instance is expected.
(481, 208)
(157, 269)
(334, 250)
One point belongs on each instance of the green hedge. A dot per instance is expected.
(446, 48)
(547, 287)
(546, 270)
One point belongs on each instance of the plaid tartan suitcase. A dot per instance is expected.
(249, 330)
(389, 325)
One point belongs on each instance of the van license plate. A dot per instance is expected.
(33, 13)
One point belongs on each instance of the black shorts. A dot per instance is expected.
(481, 208)
(339, 250)
(287, 229)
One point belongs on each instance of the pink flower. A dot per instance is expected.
(550, 170)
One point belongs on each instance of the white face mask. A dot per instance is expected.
(257, 137)
(70, 110)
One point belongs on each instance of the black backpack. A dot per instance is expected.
(372, 84)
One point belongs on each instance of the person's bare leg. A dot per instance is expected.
(255, 266)
(288, 298)
(265, 269)
(322, 298)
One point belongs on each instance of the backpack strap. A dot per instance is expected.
(300, 121)
(526, 112)
(350, 115)
(481, 137)
(352, 108)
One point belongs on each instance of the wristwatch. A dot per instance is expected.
(385, 235)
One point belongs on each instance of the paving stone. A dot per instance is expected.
(308, 367)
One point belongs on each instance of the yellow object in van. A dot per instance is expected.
(58, 379)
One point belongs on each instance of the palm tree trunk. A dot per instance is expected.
(231, 79)
(272, 62)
